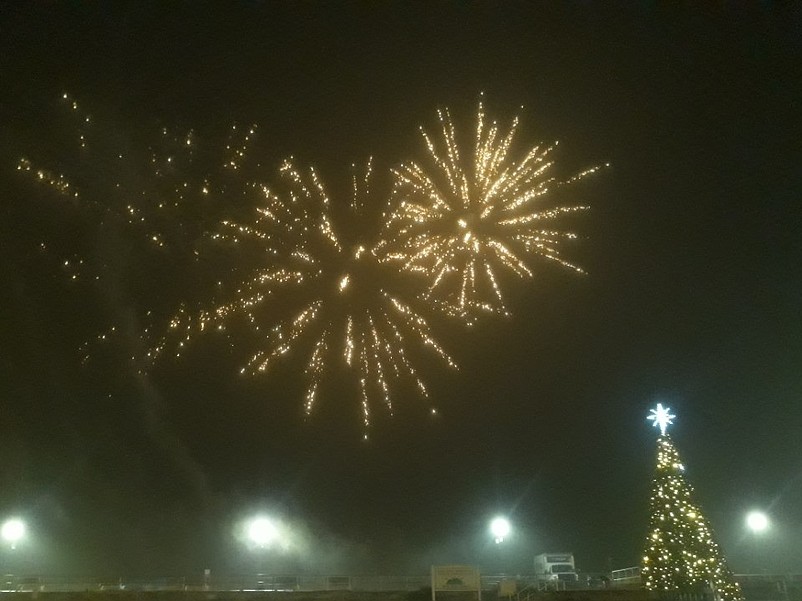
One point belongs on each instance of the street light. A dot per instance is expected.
(262, 532)
(500, 529)
(757, 521)
(13, 531)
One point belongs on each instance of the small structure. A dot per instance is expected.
(456, 579)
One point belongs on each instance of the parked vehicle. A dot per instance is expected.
(555, 568)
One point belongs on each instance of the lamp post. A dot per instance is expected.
(13, 531)
(264, 536)
(758, 523)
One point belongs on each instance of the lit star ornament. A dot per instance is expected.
(661, 417)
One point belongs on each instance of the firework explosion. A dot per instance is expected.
(296, 282)
(341, 309)
(474, 214)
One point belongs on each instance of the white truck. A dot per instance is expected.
(555, 568)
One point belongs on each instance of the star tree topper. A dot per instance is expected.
(661, 417)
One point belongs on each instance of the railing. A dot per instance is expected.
(528, 586)
(756, 587)
(247, 582)
(626, 577)
(533, 589)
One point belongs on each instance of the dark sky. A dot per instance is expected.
(692, 297)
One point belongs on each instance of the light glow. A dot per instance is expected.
(13, 531)
(757, 521)
(500, 529)
(262, 532)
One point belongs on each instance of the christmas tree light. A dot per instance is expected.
(681, 553)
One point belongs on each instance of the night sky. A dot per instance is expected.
(692, 296)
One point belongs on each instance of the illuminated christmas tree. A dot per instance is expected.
(681, 554)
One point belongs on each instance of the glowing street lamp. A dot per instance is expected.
(13, 531)
(500, 529)
(757, 521)
(262, 532)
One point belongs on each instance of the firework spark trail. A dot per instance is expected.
(345, 314)
(156, 193)
(475, 214)
(152, 194)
